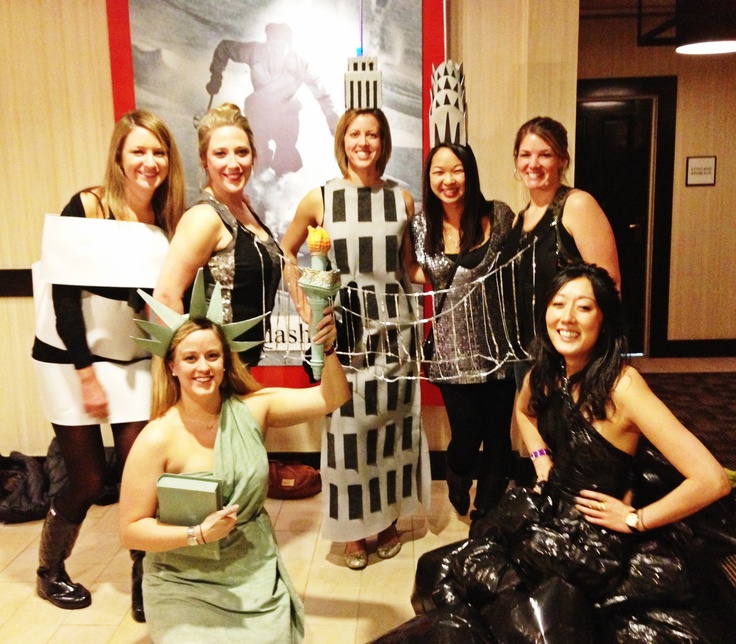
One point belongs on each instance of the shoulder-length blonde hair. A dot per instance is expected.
(166, 391)
(169, 197)
(341, 131)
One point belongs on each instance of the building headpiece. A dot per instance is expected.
(363, 84)
(162, 334)
(448, 120)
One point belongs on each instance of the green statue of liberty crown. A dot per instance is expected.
(162, 334)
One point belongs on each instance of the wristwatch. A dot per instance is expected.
(633, 521)
(192, 536)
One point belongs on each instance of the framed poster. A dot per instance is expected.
(700, 171)
(161, 57)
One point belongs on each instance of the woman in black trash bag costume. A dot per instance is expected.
(579, 548)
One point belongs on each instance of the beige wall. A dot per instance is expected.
(520, 58)
(702, 277)
(56, 102)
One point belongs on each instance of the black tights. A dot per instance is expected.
(84, 457)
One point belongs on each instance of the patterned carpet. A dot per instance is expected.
(706, 404)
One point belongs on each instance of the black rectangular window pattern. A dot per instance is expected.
(389, 205)
(392, 395)
(406, 432)
(370, 302)
(350, 454)
(338, 205)
(355, 501)
(340, 247)
(389, 445)
(393, 293)
(392, 337)
(371, 397)
(365, 254)
(392, 253)
(333, 501)
(374, 492)
(331, 462)
(406, 484)
(371, 447)
(408, 391)
(391, 487)
(348, 409)
(364, 205)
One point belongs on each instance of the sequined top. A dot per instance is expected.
(470, 332)
(249, 271)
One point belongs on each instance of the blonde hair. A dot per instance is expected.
(342, 128)
(169, 198)
(165, 392)
(222, 116)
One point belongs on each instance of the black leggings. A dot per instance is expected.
(84, 457)
(480, 414)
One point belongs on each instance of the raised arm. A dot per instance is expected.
(589, 226)
(309, 212)
(283, 407)
(197, 236)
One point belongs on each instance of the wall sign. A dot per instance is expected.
(701, 171)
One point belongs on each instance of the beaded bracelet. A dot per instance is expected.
(540, 452)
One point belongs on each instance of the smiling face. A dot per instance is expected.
(447, 177)
(199, 363)
(144, 160)
(574, 322)
(537, 164)
(363, 142)
(228, 160)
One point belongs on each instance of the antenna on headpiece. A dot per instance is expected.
(448, 110)
(363, 84)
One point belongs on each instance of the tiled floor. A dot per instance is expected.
(342, 606)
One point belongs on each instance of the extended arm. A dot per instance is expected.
(528, 429)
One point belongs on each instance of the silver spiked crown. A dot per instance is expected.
(448, 110)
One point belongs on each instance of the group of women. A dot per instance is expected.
(209, 415)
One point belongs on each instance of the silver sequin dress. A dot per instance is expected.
(375, 460)
(472, 333)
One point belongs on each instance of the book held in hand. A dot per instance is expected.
(188, 499)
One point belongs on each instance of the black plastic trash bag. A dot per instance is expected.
(459, 624)
(23, 487)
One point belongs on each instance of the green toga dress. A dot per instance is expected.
(246, 595)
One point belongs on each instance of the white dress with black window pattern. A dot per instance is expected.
(375, 461)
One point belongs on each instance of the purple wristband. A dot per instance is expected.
(540, 452)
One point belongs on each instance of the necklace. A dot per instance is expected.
(451, 236)
(206, 425)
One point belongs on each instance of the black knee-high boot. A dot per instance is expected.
(52, 582)
(459, 490)
(488, 494)
(136, 594)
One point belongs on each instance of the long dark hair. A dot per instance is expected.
(608, 357)
(476, 206)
